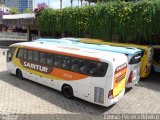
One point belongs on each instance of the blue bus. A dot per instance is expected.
(133, 55)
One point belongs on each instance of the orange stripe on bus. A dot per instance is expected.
(61, 53)
(67, 75)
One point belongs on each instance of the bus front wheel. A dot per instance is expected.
(19, 73)
(67, 91)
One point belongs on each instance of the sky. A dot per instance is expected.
(56, 3)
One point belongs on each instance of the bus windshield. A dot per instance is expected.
(156, 55)
(136, 58)
(10, 53)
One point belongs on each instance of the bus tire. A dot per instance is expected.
(19, 74)
(67, 91)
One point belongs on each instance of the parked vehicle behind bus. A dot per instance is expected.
(133, 54)
(156, 59)
(146, 57)
(92, 75)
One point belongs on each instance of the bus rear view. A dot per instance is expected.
(147, 53)
(119, 83)
(134, 69)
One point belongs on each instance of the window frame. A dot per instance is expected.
(11, 52)
(44, 57)
(28, 55)
(24, 54)
(55, 55)
(34, 56)
(52, 57)
(17, 55)
(62, 59)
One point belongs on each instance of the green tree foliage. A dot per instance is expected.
(27, 11)
(108, 21)
(14, 11)
(92, 1)
(95, 1)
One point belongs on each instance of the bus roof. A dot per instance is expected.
(70, 49)
(98, 41)
(123, 50)
(156, 46)
(75, 42)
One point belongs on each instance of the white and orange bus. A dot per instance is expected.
(95, 76)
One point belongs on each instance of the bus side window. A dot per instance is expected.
(20, 54)
(24, 54)
(50, 59)
(136, 58)
(66, 63)
(101, 68)
(92, 68)
(43, 58)
(35, 56)
(83, 68)
(97, 69)
(57, 61)
(75, 64)
(30, 55)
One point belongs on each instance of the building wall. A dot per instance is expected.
(1, 1)
(10, 3)
(20, 4)
(31, 4)
(23, 5)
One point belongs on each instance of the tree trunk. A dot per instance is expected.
(81, 2)
(78, 3)
(71, 3)
(60, 4)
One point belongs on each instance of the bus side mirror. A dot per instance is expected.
(9, 57)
